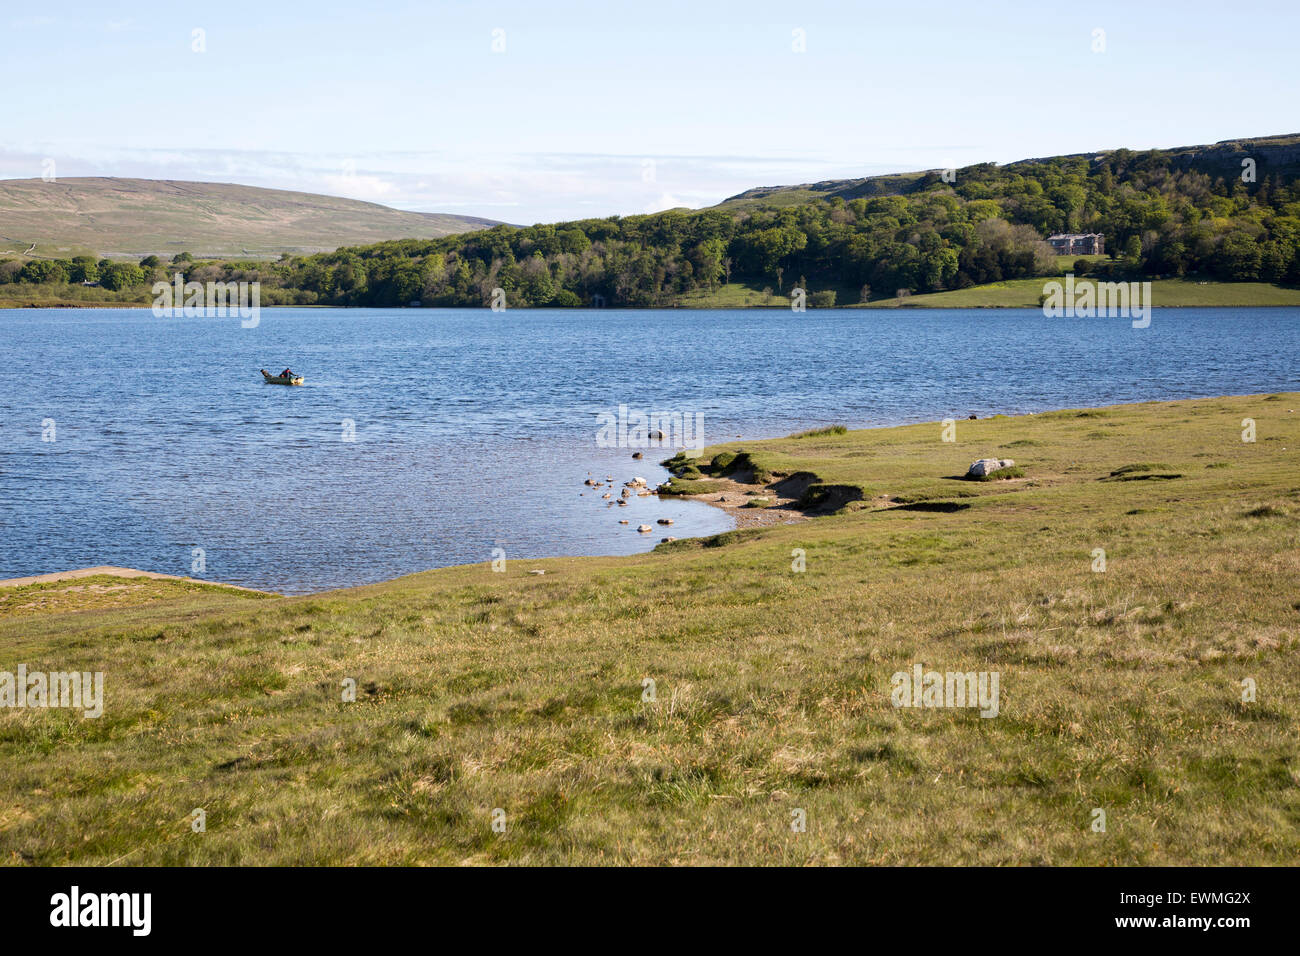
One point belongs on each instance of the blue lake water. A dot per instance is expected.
(475, 430)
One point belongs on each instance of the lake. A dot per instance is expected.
(132, 440)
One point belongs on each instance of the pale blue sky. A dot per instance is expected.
(596, 108)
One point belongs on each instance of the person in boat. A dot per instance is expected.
(287, 373)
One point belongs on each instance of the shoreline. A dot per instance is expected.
(876, 305)
(113, 571)
(785, 491)
(733, 498)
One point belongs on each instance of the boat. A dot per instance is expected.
(281, 379)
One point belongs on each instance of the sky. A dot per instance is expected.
(534, 112)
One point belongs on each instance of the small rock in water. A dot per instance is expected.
(986, 466)
(644, 529)
(607, 495)
(665, 520)
(666, 540)
(622, 521)
(637, 454)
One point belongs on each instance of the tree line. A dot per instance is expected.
(987, 225)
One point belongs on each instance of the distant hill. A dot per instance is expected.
(137, 217)
(891, 184)
(1279, 155)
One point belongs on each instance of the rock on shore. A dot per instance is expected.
(986, 466)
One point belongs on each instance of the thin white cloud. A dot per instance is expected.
(536, 187)
(352, 186)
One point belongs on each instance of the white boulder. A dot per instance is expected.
(986, 466)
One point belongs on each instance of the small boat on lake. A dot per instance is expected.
(281, 379)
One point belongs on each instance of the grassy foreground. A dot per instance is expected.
(1120, 690)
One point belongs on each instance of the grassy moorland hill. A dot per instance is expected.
(1120, 690)
(867, 187)
(112, 217)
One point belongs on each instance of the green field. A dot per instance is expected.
(27, 295)
(1165, 293)
(742, 294)
(1120, 690)
(1016, 293)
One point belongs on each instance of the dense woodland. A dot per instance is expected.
(988, 225)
